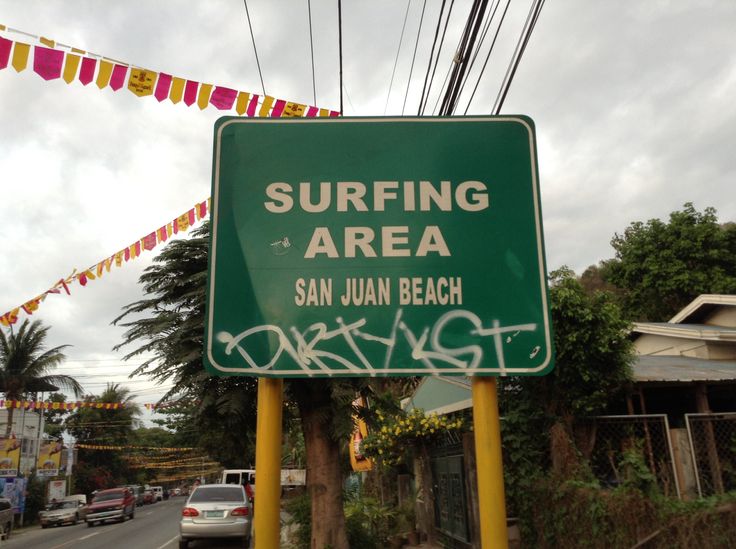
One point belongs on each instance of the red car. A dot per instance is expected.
(114, 504)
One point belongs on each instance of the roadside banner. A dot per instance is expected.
(57, 490)
(14, 489)
(9, 456)
(49, 459)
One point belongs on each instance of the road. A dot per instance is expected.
(154, 527)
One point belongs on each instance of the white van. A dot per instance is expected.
(158, 493)
(240, 476)
(81, 499)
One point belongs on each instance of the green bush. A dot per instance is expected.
(576, 514)
(35, 499)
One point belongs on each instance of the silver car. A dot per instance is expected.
(62, 512)
(215, 511)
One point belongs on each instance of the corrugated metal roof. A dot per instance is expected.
(682, 369)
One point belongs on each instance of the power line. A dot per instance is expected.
(253, 38)
(521, 44)
(488, 56)
(413, 58)
(431, 54)
(393, 72)
(479, 46)
(311, 49)
(467, 42)
(444, 83)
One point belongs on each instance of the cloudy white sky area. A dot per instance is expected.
(633, 104)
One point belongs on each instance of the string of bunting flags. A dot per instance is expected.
(185, 477)
(179, 224)
(69, 406)
(130, 447)
(174, 466)
(53, 60)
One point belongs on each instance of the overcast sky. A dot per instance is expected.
(633, 104)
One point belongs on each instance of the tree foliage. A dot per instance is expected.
(592, 367)
(97, 469)
(662, 266)
(168, 324)
(25, 361)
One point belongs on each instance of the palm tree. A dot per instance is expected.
(106, 426)
(25, 364)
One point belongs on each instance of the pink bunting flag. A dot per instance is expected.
(223, 98)
(47, 63)
(87, 72)
(117, 80)
(252, 106)
(5, 46)
(149, 241)
(162, 87)
(334, 113)
(278, 108)
(202, 210)
(190, 92)
(312, 112)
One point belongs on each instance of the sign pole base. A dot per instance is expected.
(489, 464)
(266, 517)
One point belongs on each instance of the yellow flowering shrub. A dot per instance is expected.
(397, 434)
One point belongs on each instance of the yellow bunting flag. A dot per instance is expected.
(267, 102)
(20, 56)
(47, 42)
(324, 112)
(141, 82)
(70, 67)
(177, 89)
(293, 110)
(241, 104)
(205, 90)
(103, 76)
(182, 222)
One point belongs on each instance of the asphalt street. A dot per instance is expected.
(154, 527)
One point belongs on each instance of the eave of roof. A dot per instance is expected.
(680, 369)
(698, 302)
(704, 332)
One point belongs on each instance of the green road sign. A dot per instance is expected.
(376, 246)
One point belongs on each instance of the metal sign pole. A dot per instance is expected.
(268, 463)
(489, 464)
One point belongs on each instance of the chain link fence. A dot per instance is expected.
(625, 449)
(713, 443)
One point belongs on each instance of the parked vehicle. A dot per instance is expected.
(148, 496)
(66, 511)
(244, 477)
(6, 518)
(158, 493)
(216, 511)
(137, 494)
(81, 498)
(113, 504)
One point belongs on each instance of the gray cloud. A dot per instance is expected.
(633, 104)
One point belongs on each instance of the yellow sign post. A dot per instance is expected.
(268, 463)
(489, 464)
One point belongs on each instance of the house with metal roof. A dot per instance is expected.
(681, 406)
(688, 364)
